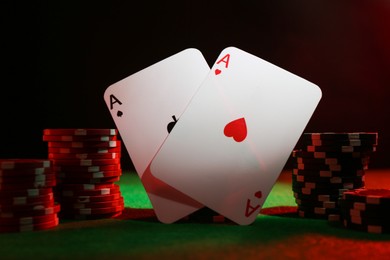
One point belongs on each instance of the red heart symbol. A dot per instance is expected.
(236, 129)
(217, 71)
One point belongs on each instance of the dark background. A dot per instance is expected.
(59, 56)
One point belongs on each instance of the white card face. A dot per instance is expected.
(142, 106)
(236, 135)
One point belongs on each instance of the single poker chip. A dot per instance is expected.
(83, 156)
(337, 179)
(316, 213)
(368, 196)
(68, 215)
(28, 185)
(25, 172)
(377, 229)
(89, 175)
(324, 155)
(89, 199)
(330, 167)
(85, 162)
(318, 210)
(102, 191)
(38, 179)
(328, 173)
(324, 186)
(334, 217)
(94, 211)
(38, 210)
(317, 191)
(341, 148)
(25, 192)
(27, 220)
(105, 204)
(320, 204)
(341, 135)
(9, 164)
(24, 200)
(89, 144)
(78, 132)
(330, 161)
(83, 169)
(27, 179)
(89, 180)
(84, 150)
(79, 138)
(318, 197)
(83, 187)
(26, 208)
(29, 227)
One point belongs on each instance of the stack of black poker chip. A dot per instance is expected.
(366, 210)
(325, 165)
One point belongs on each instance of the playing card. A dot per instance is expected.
(145, 106)
(234, 138)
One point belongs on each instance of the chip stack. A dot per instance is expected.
(87, 165)
(326, 165)
(366, 210)
(26, 195)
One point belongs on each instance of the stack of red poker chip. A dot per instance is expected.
(87, 165)
(26, 195)
(326, 165)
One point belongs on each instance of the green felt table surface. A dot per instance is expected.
(277, 233)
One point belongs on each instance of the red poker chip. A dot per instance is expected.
(79, 138)
(30, 227)
(27, 185)
(107, 144)
(27, 220)
(93, 211)
(38, 210)
(79, 131)
(69, 215)
(102, 191)
(84, 169)
(23, 200)
(84, 150)
(25, 192)
(27, 179)
(83, 156)
(25, 172)
(89, 175)
(104, 204)
(88, 180)
(86, 162)
(26, 208)
(9, 164)
(82, 187)
(89, 199)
